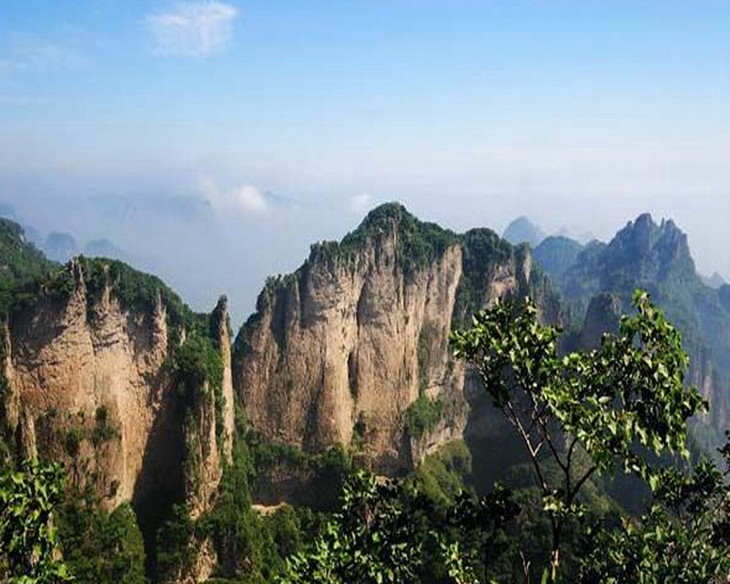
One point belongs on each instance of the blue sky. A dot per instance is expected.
(469, 111)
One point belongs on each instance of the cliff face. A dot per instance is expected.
(90, 383)
(344, 350)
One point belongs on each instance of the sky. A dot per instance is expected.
(220, 139)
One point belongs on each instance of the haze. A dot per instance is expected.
(214, 141)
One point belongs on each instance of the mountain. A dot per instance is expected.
(352, 348)
(103, 248)
(521, 230)
(20, 262)
(107, 371)
(556, 254)
(715, 281)
(60, 247)
(656, 257)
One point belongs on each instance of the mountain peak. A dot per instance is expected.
(654, 250)
(385, 216)
(522, 230)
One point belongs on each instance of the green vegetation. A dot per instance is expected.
(250, 547)
(418, 243)
(443, 476)
(577, 415)
(72, 441)
(103, 430)
(197, 363)
(483, 251)
(20, 264)
(101, 547)
(588, 412)
(388, 532)
(28, 498)
(556, 255)
(423, 416)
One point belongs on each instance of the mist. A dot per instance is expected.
(208, 239)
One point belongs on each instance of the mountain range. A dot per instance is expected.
(345, 361)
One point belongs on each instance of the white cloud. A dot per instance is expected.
(249, 199)
(361, 203)
(243, 200)
(194, 29)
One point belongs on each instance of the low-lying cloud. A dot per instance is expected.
(242, 200)
(193, 29)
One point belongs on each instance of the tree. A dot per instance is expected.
(386, 532)
(684, 538)
(27, 539)
(583, 413)
(101, 547)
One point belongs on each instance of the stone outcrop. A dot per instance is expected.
(341, 350)
(90, 383)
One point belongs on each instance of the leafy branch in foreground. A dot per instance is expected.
(584, 412)
(388, 533)
(27, 538)
(683, 538)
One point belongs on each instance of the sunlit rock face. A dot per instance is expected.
(339, 351)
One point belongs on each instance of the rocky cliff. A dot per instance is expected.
(353, 347)
(93, 378)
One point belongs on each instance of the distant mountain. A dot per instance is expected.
(60, 247)
(521, 230)
(586, 237)
(103, 248)
(656, 258)
(643, 254)
(715, 281)
(556, 254)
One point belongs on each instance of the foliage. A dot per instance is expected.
(388, 532)
(630, 391)
(135, 290)
(423, 416)
(101, 547)
(176, 545)
(286, 531)
(20, 263)
(103, 430)
(684, 536)
(197, 363)
(27, 539)
(198, 368)
(249, 547)
(483, 250)
(238, 533)
(418, 243)
(441, 476)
